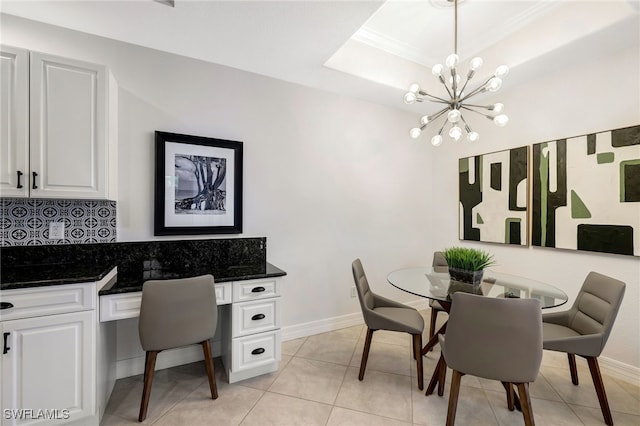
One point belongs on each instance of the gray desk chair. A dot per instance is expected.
(381, 313)
(176, 313)
(498, 339)
(439, 265)
(584, 329)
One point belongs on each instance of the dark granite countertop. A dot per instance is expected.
(227, 259)
(128, 279)
(16, 277)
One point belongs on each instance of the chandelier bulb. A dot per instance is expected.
(476, 63)
(497, 108)
(502, 71)
(456, 133)
(501, 120)
(494, 84)
(473, 136)
(457, 79)
(415, 132)
(410, 98)
(452, 60)
(414, 88)
(437, 70)
(453, 116)
(425, 119)
(436, 140)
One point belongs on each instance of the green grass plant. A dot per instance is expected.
(468, 259)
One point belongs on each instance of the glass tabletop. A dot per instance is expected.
(438, 286)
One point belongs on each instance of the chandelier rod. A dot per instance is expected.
(455, 27)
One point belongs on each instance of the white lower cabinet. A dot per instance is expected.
(48, 371)
(57, 360)
(252, 345)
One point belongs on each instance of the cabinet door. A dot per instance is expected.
(14, 122)
(50, 365)
(68, 144)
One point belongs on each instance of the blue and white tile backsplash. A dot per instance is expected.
(25, 221)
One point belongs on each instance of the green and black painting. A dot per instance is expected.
(493, 197)
(586, 192)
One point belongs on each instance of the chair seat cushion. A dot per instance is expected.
(406, 320)
(564, 339)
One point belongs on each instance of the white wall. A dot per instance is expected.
(329, 178)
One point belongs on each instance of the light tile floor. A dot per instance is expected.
(317, 384)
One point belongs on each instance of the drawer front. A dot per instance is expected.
(48, 300)
(254, 351)
(255, 317)
(224, 293)
(127, 305)
(120, 306)
(255, 289)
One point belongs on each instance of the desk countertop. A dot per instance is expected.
(129, 279)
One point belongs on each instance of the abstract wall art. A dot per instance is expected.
(586, 192)
(493, 197)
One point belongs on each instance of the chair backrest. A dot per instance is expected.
(439, 262)
(365, 295)
(499, 339)
(178, 312)
(596, 307)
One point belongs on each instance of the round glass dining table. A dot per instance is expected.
(438, 286)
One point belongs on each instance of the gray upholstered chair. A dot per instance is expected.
(176, 313)
(439, 265)
(584, 329)
(498, 339)
(381, 313)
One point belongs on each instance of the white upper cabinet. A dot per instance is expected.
(14, 122)
(72, 130)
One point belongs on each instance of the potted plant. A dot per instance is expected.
(467, 264)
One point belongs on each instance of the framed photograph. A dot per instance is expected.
(198, 186)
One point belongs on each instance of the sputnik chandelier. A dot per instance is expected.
(458, 100)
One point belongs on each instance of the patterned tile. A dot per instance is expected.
(26, 221)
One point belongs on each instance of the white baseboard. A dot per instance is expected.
(619, 370)
(330, 324)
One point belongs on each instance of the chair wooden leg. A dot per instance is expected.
(510, 400)
(417, 349)
(365, 353)
(149, 367)
(211, 374)
(573, 369)
(525, 402)
(453, 398)
(594, 368)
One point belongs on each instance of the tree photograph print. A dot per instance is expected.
(200, 184)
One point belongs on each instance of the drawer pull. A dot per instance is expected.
(257, 289)
(7, 348)
(19, 173)
(257, 351)
(257, 317)
(6, 305)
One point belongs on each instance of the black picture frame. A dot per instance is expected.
(198, 185)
